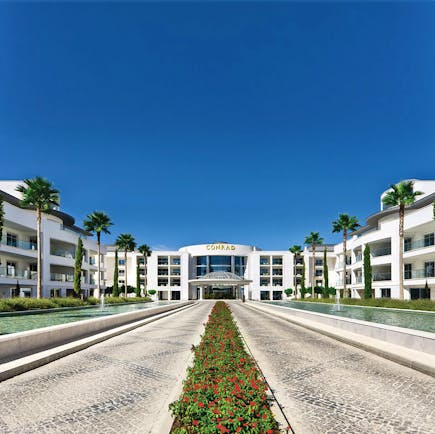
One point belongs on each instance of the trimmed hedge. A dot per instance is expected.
(21, 304)
(224, 392)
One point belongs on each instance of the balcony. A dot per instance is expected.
(358, 279)
(381, 276)
(64, 253)
(14, 273)
(418, 244)
(61, 277)
(419, 273)
(19, 244)
(358, 257)
(381, 251)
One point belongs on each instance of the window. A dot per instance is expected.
(121, 262)
(429, 269)
(10, 268)
(163, 272)
(277, 282)
(175, 260)
(386, 292)
(408, 271)
(175, 295)
(264, 271)
(264, 295)
(121, 272)
(319, 283)
(175, 271)
(11, 240)
(264, 260)
(319, 273)
(277, 295)
(175, 282)
(408, 244)
(277, 260)
(162, 282)
(429, 240)
(319, 262)
(121, 282)
(264, 282)
(277, 271)
(162, 260)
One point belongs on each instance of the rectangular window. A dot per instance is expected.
(264, 282)
(162, 260)
(429, 269)
(10, 268)
(175, 260)
(408, 271)
(407, 244)
(277, 271)
(175, 282)
(163, 272)
(429, 240)
(277, 295)
(11, 240)
(386, 292)
(264, 271)
(277, 282)
(319, 262)
(264, 295)
(277, 260)
(121, 262)
(162, 282)
(264, 260)
(121, 272)
(319, 273)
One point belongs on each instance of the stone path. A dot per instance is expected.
(122, 385)
(330, 387)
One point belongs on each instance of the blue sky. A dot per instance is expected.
(192, 122)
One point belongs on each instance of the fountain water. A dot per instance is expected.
(337, 305)
(102, 302)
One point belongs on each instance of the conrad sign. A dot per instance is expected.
(218, 246)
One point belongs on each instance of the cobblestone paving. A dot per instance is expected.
(121, 385)
(330, 387)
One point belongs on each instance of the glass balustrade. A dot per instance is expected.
(381, 276)
(383, 251)
(419, 273)
(63, 253)
(19, 244)
(17, 273)
(418, 244)
(60, 277)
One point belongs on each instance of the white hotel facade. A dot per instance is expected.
(18, 250)
(219, 268)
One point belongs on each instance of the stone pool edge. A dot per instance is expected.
(413, 358)
(19, 345)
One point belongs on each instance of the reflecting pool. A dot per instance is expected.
(13, 323)
(417, 320)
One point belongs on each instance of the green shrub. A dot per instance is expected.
(152, 291)
(288, 292)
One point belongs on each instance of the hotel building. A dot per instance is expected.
(220, 268)
(18, 250)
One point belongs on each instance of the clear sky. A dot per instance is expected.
(243, 122)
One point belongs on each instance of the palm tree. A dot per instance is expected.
(314, 240)
(38, 193)
(146, 251)
(401, 195)
(296, 250)
(126, 243)
(96, 223)
(346, 224)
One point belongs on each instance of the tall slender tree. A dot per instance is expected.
(96, 223)
(146, 252)
(115, 289)
(296, 250)
(303, 279)
(80, 253)
(314, 240)
(126, 243)
(346, 224)
(38, 194)
(325, 273)
(401, 195)
(368, 291)
(137, 289)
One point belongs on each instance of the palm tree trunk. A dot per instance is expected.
(99, 266)
(401, 223)
(344, 264)
(125, 280)
(313, 272)
(39, 260)
(145, 293)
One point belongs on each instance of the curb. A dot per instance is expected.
(24, 364)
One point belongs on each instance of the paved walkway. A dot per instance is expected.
(330, 387)
(122, 385)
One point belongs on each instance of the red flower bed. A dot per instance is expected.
(223, 392)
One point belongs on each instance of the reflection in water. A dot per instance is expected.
(424, 321)
(19, 323)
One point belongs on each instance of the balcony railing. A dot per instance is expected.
(418, 244)
(358, 258)
(19, 244)
(63, 253)
(92, 261)
(420, 273)
(60, 277)
(381, 276)
(383, 251)
(13, 273)
(358, 279)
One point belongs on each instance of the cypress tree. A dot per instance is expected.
(80, 252)
(2, 214)
(137, 280)
(303, 279)
(368, 293)
(115, 291)
(325, 275)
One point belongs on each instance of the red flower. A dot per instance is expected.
(200, 404)
(195, 422)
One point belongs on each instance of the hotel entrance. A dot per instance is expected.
(219, 293)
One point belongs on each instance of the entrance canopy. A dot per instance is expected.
(220, 278)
